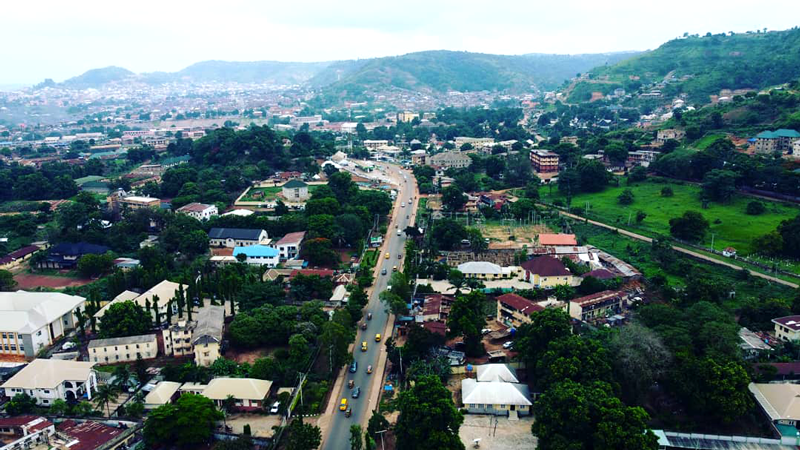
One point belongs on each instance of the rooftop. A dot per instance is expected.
(252, 251)
(210, 321)
(520, 303)
(239, 388)
(49, 373)
(162, 393)
(292, 238)
(26, 312)
(88, 435)
(251, 234)
(194, 207)
(779, 401)
(494, 393)
(791, 322)
(496, 372)
(597, 297)
(294, 184)
(140, 339)
(546, 266)
(482, 267)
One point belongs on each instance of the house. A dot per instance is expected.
(178, 338)
(436, 307)
(663, 136)
(752, 345)
(239, 213)
(16, 257)
(289, 245)
(514, 310)
(199, 211)
(258, 255)
(729, 252)
(544, 161)
(23, 432)
(340, 296)
(437, 327)
(237, 237)
(164, 392)
(47, 380)
(787, 372)
(600, 274)
(91, 435)
(597, 305)
(274, 274)
(776, 141)
(560, 239)
(250, 394)
(207, 335)
(787, 328)
(160, 294)
(124, 204)
(495, 397)
(31, 321)
(295, 191)
(781, 404)
(450, 160)
(496, 372)
(483, 270)
(66, 255)
(546, 272)
(123, 349)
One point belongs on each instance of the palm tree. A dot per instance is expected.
(122, 377)
(105, 395)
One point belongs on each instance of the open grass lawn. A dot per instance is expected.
(269, 193)
(705, 141)
(729, 223)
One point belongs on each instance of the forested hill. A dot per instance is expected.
(442, 71)
(703, 65)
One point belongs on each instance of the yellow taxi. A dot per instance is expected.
(387, 255)
(364, 346)
(343, 405)
(378, 337)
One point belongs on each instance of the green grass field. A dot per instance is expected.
(268, 192)
(729, 223)
(705, 141)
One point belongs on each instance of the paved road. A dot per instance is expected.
(338, 432)
(682, 250)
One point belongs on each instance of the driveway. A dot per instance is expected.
(497, 433)
(260, 425)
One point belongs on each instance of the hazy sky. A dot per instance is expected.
(59, 39)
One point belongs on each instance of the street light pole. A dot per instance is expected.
(383, 447)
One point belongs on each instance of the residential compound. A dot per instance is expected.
(600, 304)
(237, 237)
(289, 245)
(23, 432)
(123, 349)
(449, 160)
(199, 211)
(47, 380)
(546, 272)
(201, 338)
(663, 136)
(782, 140)
(295, 191)
(31, 321)
(544, 161)
(158, 297)
(787, 328)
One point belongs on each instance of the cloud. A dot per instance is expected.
(62, 39)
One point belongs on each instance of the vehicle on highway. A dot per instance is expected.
(387, 255)
(364, 346)
(383, 271)
(394, 269)
(399, 256)
(378, 337)
(369, 369)
(508, 344)
(353, 367)
(403, 205)
(350, 384)
(349, 412)
(356, 392)
(369, 316)
(343, 405)
(363, 325)
(275, 407)
(398, 232)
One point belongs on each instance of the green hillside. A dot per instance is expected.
(704, 65)
(97, 77)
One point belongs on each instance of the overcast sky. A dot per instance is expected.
(59, 39)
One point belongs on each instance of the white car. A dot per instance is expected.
(486, 331)
(274, 409)
(508, 344)
(403, 205)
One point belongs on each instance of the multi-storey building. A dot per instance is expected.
(31, 321)
(123, 349)
(544, 161)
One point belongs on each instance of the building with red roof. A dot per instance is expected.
(91, 435)
(546, 272)
(513, 310)
(25, 431)
(597, 305)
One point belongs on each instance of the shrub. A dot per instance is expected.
(666, 191)
(755, 208)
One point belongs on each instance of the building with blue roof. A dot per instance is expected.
(258, 255)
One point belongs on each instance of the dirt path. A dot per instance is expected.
(680, 249)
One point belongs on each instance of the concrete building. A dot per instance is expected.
(25, 432)
(164, 392)
(597, 305)
(544, 161)
(47, 380)
(199, 211)
(546, 272)
(207, 335)
(159, 294)
(483, 270)
(787, 328)
(31, 321)
(133, 202)
(178, 338)
(295, 191)
(407, 116)
(289, 245)
(752, 345)
(374, 144)
(258, 255)
(66, 254)
(781, 403)
(671, 133)
(250, 394)
(237, 237)
(514, 310)
(776, 141)
(450, 160)
(123, 349)
(495, 397)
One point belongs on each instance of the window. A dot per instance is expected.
(94, 350)
(45, 401)
(47, 391)
(39, 333)
(4, 335)
(13, 347)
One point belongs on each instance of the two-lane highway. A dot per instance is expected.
(338, 434)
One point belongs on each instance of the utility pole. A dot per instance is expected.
(712, 241)
(383, 447)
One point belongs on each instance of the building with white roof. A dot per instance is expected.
(31, 321)
(207, 335)
(239, 213)
(484, 270)
(164, 392)
(123, 349)
(249, 393)
(199, 211)
(496, 372)
(161, 293)
(47, 380)
(495, 397)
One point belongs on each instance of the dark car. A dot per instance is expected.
(356, 392)
(353, 367)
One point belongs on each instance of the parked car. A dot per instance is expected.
(508, 344)
(274, 408)
(486, 331)
(356, 392)
(363, 325)
(353, 367)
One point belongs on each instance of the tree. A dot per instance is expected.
(453, 198)
(335, 338)
(640, 216)
(124, 319)
(20, 404)
(616, 152)
(7, 282)
(428, 418)
(719, 185)
(122, 377)
(583, 417)
(303, 436)
(640, 359)
(592, 175)
(626, 197)
(768, 244)
(59, 407)
(187, 423)
(666, 191)
(319, 251)
(692, 226)
(394, 303)
(94, 265)
(637, 174)
(105, 395)
(376, 423)
(533, 338)
(356, 439)
(790, 233)
(457, 279)
(574, 358)
(467, 319)
(134, 409)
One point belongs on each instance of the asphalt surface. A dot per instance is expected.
(338, 437)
